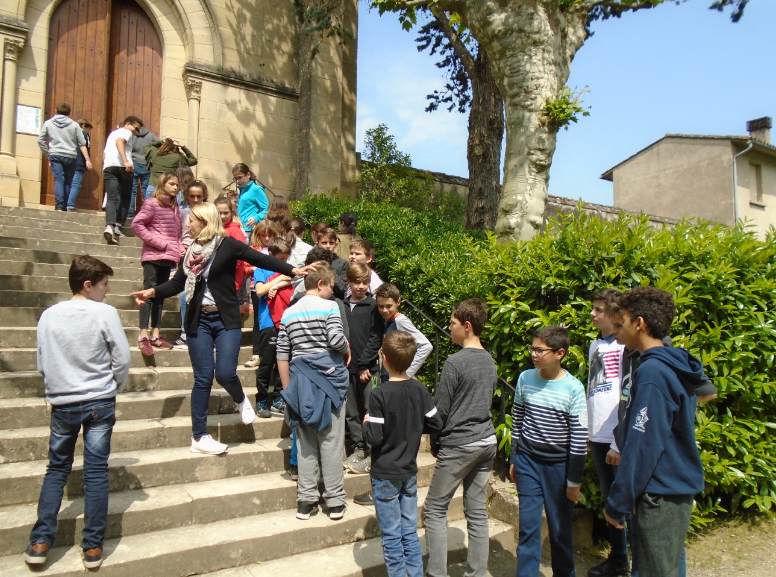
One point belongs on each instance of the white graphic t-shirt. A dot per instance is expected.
(603, 389)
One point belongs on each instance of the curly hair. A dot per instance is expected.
(655, 306)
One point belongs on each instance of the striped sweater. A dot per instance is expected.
(549, 422)
(311, 326)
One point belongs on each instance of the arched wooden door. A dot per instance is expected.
(105, 60)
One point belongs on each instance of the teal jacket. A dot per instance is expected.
(252, 203)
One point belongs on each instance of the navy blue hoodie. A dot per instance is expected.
(659, 455)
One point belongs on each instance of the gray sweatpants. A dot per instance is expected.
(321, 451)
(472, 466)
(661, 529)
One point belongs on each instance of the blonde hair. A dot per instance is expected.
(208, 213)
(263, 227)
(159, 195)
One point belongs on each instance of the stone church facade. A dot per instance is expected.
(221, 75)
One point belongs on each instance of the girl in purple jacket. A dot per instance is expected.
(158, 224)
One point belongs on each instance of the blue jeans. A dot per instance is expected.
(142, 174)
(75, 187)
(148, 192)
(294, 449)
(542, 485)
(63, 169)
(396, 507)
(606, 473)
(97, 419)
(212, 337)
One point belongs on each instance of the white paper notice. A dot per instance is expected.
(27, 119)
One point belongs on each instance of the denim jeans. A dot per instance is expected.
(211, 338)
(75, 188)
(294, 449)
(150, 190)
(118, 187)
(63, 169)
(97, 419)
(542, 485)
(606, 473)
(472, 467)
(142, 174)
(396, 507)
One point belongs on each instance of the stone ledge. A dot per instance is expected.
(230, 77)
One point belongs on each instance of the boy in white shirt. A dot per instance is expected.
(118, 174)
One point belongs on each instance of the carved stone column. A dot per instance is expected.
(194, 95)
(11, 49)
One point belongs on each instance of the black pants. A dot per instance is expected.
(267, 378)
(357, 406)
(154, 273)
(118, 187)
(255, 333)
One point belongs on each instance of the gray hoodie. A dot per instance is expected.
(138, 141)
(64, 137)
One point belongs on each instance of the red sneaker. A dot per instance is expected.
(160, 343)
(145, 347)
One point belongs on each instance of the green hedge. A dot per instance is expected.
(723, 280)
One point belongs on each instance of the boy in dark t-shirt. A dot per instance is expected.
(400, 411)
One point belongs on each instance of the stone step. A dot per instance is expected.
(197, 549)
(42, 299)
(60, 285)
(365, 558)
(31, 444)
(97, 246)
(53, 224)
(55, 256)
(25, 384)
(25, 337)
(21, 413)
(21, 482)
(14, 360)
(160, 508)
(44, 270)
(28, 316)
(79, 217)
(90, 235)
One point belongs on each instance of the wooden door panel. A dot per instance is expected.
(77, 74)
(105, 60)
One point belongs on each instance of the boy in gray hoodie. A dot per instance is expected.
(83, 355)
(60, 138)
(142, 174)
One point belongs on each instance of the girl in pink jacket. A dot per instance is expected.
(158, 224)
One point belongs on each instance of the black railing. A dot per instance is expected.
(439, 329)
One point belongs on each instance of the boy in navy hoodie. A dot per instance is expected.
(660, 469)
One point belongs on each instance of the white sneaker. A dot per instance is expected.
(247, 414)
(253, 362)
(110, 235)
(117, 231)
(208, 445)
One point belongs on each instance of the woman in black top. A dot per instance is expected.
(212, 321)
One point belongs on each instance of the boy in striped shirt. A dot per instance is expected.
(549, 449)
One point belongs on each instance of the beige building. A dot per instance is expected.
(685, 175)
(221, 75)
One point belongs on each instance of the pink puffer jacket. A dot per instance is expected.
(160, 229)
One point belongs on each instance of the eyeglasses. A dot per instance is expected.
(538, 350)
(240, 177)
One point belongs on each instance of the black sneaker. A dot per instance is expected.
(613, 566)
(36, 553)
(304, 510)
(337, 513)
(293, 472)
(364, 499)
(93, 558)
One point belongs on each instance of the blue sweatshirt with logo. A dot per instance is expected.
(659, 454)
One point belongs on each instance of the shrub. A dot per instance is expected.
(723, 281)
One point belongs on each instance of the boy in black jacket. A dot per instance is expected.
(660, 470)
(400, 411)
(366, 327)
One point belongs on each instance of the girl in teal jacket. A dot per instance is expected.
(252, 204)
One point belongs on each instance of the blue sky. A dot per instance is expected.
(677, 69)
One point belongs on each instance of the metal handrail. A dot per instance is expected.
(437, 329)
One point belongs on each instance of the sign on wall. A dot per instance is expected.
(27, 120)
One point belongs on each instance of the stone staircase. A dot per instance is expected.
(172, 513)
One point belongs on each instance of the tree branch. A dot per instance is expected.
(467, 60)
